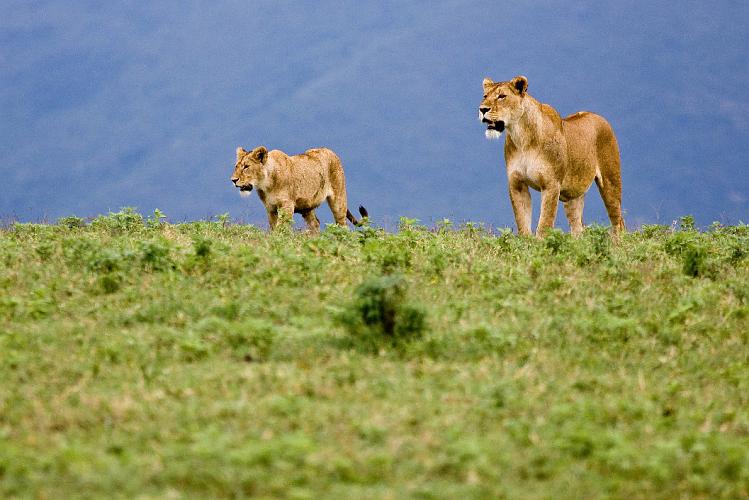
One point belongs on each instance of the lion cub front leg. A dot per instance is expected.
(272, 217)
(285, 212)
(549, 205)
(520, 197)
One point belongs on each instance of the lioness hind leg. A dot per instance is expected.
(549, 205)
(609, 178)
(574, 211)
(611, 192)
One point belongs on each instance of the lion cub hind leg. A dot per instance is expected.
(337, 204)
(574, 211)
(313, 223)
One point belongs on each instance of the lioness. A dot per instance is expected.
(561, 157)
(295, 184)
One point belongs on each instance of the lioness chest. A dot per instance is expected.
(528, 166)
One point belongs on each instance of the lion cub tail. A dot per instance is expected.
(350, 216)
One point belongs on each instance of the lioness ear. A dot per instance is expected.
(488, 83)
(520, 83)
(240, 153)
(260, 154)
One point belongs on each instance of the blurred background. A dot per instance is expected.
(112, 104)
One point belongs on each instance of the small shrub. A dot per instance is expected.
(202, 247)
(694, 261)
(599, 240)
(44, 250)
(654, 230)
(380, 313)
(154, 256)
(444, 225)
(556, 241)
(156, 220)
(124, 221)
(390, 254)
(224, 219)
(596, 245)
(105, 261)
(250, 340)
(739, 251)
(409, 224)
(686, 223)
(678, 242)
(71, 222)
(109, 282)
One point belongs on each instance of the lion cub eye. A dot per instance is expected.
(501, 96)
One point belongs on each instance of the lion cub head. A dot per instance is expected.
(249, 170)
(502, 104)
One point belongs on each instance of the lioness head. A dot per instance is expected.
(249, 169)
(502, 104)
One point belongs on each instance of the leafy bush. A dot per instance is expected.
(156, 221)
(124, 221)
(381, 314)
(556, 241)
(694, 259)
(154, 256)
(71, 222)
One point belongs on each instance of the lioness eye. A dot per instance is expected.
(501, 96)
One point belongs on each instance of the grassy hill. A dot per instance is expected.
(209, 359)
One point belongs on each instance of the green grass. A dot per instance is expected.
(139, 358)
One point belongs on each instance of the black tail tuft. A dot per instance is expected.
(350, 216)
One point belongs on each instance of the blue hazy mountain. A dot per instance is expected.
(111, 104)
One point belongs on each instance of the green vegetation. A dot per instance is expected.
(142, 358)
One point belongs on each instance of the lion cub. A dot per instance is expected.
(295, 184)
(561, 157)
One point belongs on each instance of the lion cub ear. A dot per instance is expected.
(520, 83)
(240, 153)
(488, 83)
(260, 154)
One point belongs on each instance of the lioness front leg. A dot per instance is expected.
(549, 205)
(520, 197)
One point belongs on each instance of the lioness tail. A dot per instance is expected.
(350, 216)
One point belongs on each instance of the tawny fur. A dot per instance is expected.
(561, 157)
(295, 184)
